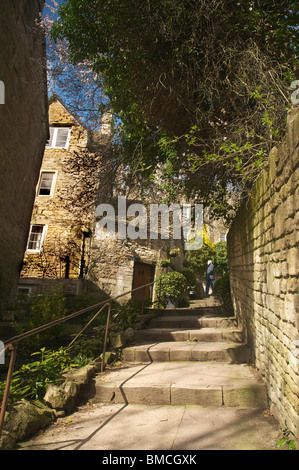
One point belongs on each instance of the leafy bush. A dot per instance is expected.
(38, 310)
(196, 260)
(220, 258)
(124, 316)
(173, 285)
(31, 380)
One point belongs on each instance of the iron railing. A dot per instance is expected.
(12, 343)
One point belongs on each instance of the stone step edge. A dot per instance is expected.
(250, 396)
(189, 322)
(190, 312)
(188, 334)
(230, 353)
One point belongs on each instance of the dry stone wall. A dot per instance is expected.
(264, 269)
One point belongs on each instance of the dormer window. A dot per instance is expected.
(59, 137)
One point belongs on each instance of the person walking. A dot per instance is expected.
(210, 276)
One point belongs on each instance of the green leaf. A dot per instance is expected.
(281, 443)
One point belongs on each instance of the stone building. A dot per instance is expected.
(67, 243)
(23, 132)
(64, 205)
(63, 244)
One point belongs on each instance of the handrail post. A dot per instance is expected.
(13, 348)
(105, 340)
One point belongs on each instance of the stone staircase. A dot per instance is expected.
(184, 385)
(193, 356)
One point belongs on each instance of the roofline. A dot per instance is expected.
(55, 97)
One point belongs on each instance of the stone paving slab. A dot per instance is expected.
(138, 427)
(187, 351)
(183, 334)
(190, 321)
(204, 384)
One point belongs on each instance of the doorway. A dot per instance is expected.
(143, 274)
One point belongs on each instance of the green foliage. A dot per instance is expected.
(173, 285)
(286, 440)
(31, 380)
(124, 316)
(197, 259)
(220, 258)
(36, 310)
(190, 276)
(199, 85)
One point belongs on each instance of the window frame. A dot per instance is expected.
(43, 236)
(24, 288)
(54, 138)
(52, 185)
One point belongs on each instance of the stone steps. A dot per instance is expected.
(185, 357)
(183, 334)
(184, 351)
(193, 311)
(203, 384)
(192, 322)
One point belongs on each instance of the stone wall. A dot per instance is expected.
(111, 263)
(23, 131)
(263, 256)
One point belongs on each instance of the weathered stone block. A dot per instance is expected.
(62, 397)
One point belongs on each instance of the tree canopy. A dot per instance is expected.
(201, 87)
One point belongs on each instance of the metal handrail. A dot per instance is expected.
(12, 343)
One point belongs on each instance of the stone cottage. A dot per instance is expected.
(77, 175)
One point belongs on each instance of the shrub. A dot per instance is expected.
(124, 316)
(173, 285)
(31, 380)
(220, 258)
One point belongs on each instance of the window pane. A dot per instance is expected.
(46, 182)
(61, 138)
(58, 137)
(35, 237)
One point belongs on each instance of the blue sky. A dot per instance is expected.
(81, 98)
